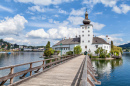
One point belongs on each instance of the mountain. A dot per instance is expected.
(125, 46)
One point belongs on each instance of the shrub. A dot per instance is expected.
(77, 49)
(69, 53)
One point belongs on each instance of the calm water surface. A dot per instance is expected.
(114, 72)
(18, 58)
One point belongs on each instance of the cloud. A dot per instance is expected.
(75, 20)
(98, 13)
(116, 9)
(40, 33)
(12, 26)
(91, 3)
(54, 33)
(36, 8)
(116, 38)
(97, 25)
(6, 9)
(123, 8)
(62, 11)
(37, 18)
(12, 40)
(79, 12)
(43, 2)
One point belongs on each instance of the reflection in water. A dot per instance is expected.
(105, 67)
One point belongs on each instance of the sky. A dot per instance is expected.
(34, 22)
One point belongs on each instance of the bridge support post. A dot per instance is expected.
(43, 65)
(11, 72)
(30, 68)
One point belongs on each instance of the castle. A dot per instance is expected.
(86, 40)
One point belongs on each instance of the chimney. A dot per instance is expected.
(107, 39)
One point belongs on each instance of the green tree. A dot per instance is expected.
(49, 51)
(77, 49)
(48, 45)
(112, 45)
(97, 51)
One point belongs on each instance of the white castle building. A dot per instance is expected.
(86, 40)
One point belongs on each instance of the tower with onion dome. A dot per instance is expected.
(86, 33)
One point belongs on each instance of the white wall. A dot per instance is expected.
(88, 30)
(64, 50)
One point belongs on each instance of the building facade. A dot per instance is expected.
(86, 40)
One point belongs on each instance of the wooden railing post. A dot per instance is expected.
(11, 72)
(30, 68)
(43, 65)
(51, 62)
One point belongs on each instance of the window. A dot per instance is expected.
(107, 47)
(85, 27)
(82, 31)
(82, 35)
(88, 27)
(88, 30)
(88, 41)
(88, 34)
(96, 46)
(82, 27)
(104, 46)
(86, 47)
(82, 41)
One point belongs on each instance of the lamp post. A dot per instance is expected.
(61, 49)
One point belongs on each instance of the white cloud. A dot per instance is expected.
(36, 8)
(98, 13)
(97, 25)
(75, 20)
(13, 40)
(125, 8)
(40, 33)
(12, 25)
(116, 38)
(116, 9)
(54, 33)
(79, 12)
(43, 2)
(62, 11)
(91, 3)
(37, 18)
(6, 9)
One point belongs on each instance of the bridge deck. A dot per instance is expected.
(62, 75)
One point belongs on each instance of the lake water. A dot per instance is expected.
(114, 72)
(111, 72)
(18, 58)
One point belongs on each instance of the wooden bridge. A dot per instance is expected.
(74, 70)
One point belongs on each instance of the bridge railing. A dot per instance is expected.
(52, 62)
(87, 74)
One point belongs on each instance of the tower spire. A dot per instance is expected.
(86, 20)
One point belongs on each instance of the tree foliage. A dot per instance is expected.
(77, 49)
(101, 52)
(69, 53)
(49, 51)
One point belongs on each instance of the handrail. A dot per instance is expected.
(11, 75)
